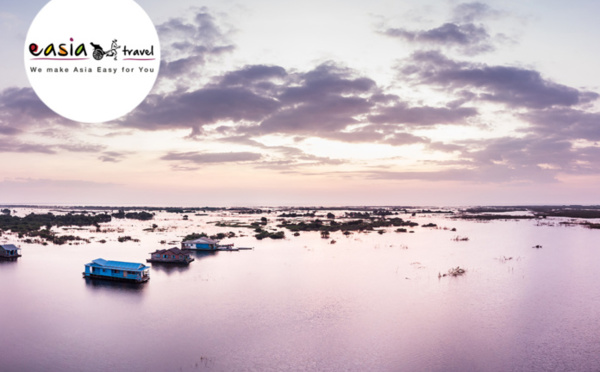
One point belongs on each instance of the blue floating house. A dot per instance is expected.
(117, 270)
(201, 244)
(10, 251)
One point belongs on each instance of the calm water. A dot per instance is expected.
(368, 303)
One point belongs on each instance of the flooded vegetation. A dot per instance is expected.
(323, 289)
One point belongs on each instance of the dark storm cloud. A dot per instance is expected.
(512, 86)
(468, 37)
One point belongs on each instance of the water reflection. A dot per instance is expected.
(8, 260)
(102, 284)
(170, 268)
(369, 302)
(198, 255)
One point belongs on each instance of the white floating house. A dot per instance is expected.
(10, 251)
(201, 244)
(117, 270)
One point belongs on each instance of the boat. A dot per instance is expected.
(117, 270)
(231, 248)
(170, 256)
(227, 247)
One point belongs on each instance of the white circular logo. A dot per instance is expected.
(92, 60)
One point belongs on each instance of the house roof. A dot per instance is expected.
(9, 247)
(173, 250)
(202, 241)
(119, 265)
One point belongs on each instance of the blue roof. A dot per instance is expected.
(202, 240)
(9, 247)
(120, 265)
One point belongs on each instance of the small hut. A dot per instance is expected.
(171, 255)
(201, 244)
(9, 251)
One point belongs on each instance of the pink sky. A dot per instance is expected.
(328, 103)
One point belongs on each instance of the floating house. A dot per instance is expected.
(201, 244)
(172, 255)
(10, 251)
(117, 270)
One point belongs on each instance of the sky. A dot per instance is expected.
(281, 103)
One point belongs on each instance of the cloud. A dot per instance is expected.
(8, 131)
(12, 145)
(468, 37)
(251, 75)
(460, 33)
(81, 147)
(505, 160)
(196, 108)
(490, 174)
(42, 183)
(180, 67)
(188, 43)
(512, 86)
(321, 101)
(329, 101)
(21, 108)
(469, 12)
(330, 114)
(401, 113)
(211, 158)
(564, 122)
(282, 158)
(197, 33)
(266, 100)
(111, 156)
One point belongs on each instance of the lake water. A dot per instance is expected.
(370, 302)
